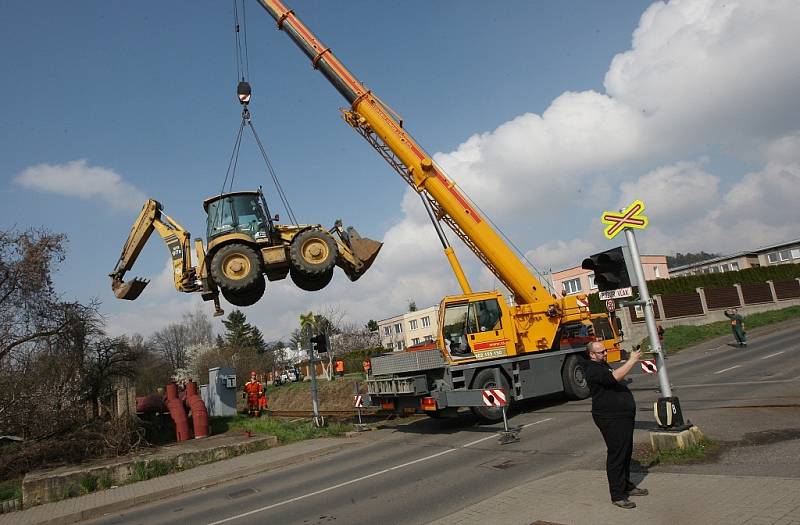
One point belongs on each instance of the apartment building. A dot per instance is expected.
(409, 329)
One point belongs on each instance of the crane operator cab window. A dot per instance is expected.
(240, 213)
(463, 320)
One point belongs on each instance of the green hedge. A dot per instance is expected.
(688, 283)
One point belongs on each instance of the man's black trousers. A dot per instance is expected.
(618, 435)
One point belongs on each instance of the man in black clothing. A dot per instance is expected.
(614, 411)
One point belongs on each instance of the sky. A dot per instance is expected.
(545, 113)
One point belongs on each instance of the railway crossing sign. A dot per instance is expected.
(494, 397)
(629, 217)
(649, 366)
(358, 401)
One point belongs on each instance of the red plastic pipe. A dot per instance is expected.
(177, 413)
(199, 411)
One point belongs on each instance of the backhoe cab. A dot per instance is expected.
(244, 244)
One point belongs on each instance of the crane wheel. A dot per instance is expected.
(236, 268)
(248, 297)
(483, 380)
(313, 253)
(573, 375)
(310, 284)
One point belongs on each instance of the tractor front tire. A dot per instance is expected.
(313, 253)
(311, 284)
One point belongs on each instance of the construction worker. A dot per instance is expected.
(367, 366)
(253, 392)
(340, 368)
(737, 326)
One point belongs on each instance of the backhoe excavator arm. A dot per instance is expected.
(178, 242)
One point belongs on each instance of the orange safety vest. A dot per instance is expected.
(340, 366)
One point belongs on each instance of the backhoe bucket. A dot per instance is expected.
(129, 290)
(364, 250)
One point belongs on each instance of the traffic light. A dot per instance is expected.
(610, 271)
(320, 343)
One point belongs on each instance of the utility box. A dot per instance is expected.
(220, 395)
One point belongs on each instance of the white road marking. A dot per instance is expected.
(773, 355)
(726, 369)
(362, 478)
(738, 383)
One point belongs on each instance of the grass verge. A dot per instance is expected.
(286, 431)
(10, 489)
(705, 451)
(683, 336)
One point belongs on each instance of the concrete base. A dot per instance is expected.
(53, 485)
(672, 440)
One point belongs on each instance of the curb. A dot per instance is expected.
(159, 494)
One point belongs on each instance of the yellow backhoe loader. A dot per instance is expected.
(244, 244)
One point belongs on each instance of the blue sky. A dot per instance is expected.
(546, 113)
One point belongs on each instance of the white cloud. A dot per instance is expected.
(77, 179)
(704, 79)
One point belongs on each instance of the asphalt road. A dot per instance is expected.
(429, 469)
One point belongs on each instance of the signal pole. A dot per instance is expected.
(319, 421)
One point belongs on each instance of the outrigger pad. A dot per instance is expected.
(129, 290)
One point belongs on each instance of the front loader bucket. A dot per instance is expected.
(364, 250)
(129, 290)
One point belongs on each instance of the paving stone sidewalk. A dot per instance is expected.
(581, 498)
(113, 500)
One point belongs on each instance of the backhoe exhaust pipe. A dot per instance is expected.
(129, 290)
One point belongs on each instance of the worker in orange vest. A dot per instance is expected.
(253, 392)
(367, 366)
(340, 368)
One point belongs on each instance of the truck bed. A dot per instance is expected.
(400, 362)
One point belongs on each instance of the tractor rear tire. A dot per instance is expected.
(313, 253)
(573, 376)
(236, 268)
(247, 298)
(483, 380)
(311, 284)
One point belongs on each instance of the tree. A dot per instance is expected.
(241, 335)
(107, 360)
(372, 325)
(177, 341)
(30, 310)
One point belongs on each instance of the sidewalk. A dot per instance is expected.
(116, 499)
(581, 498)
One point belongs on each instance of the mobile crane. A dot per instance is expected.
(482, 340)
(244, 244)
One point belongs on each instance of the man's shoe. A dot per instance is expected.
(636, 491)
(624, 503)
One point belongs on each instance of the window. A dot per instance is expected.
(426, 321)
(399, 345)
(657, 272)
(386, 330)
(602, 328)
(428, 338)
(776, 257)
(415, 341)
(734, 266)
(413, 324)
(592, 284)
(488, 313)
(573, 285)
(796, 253)
(455, 328)
(398, 328)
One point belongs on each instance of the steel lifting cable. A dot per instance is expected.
(244, 92)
